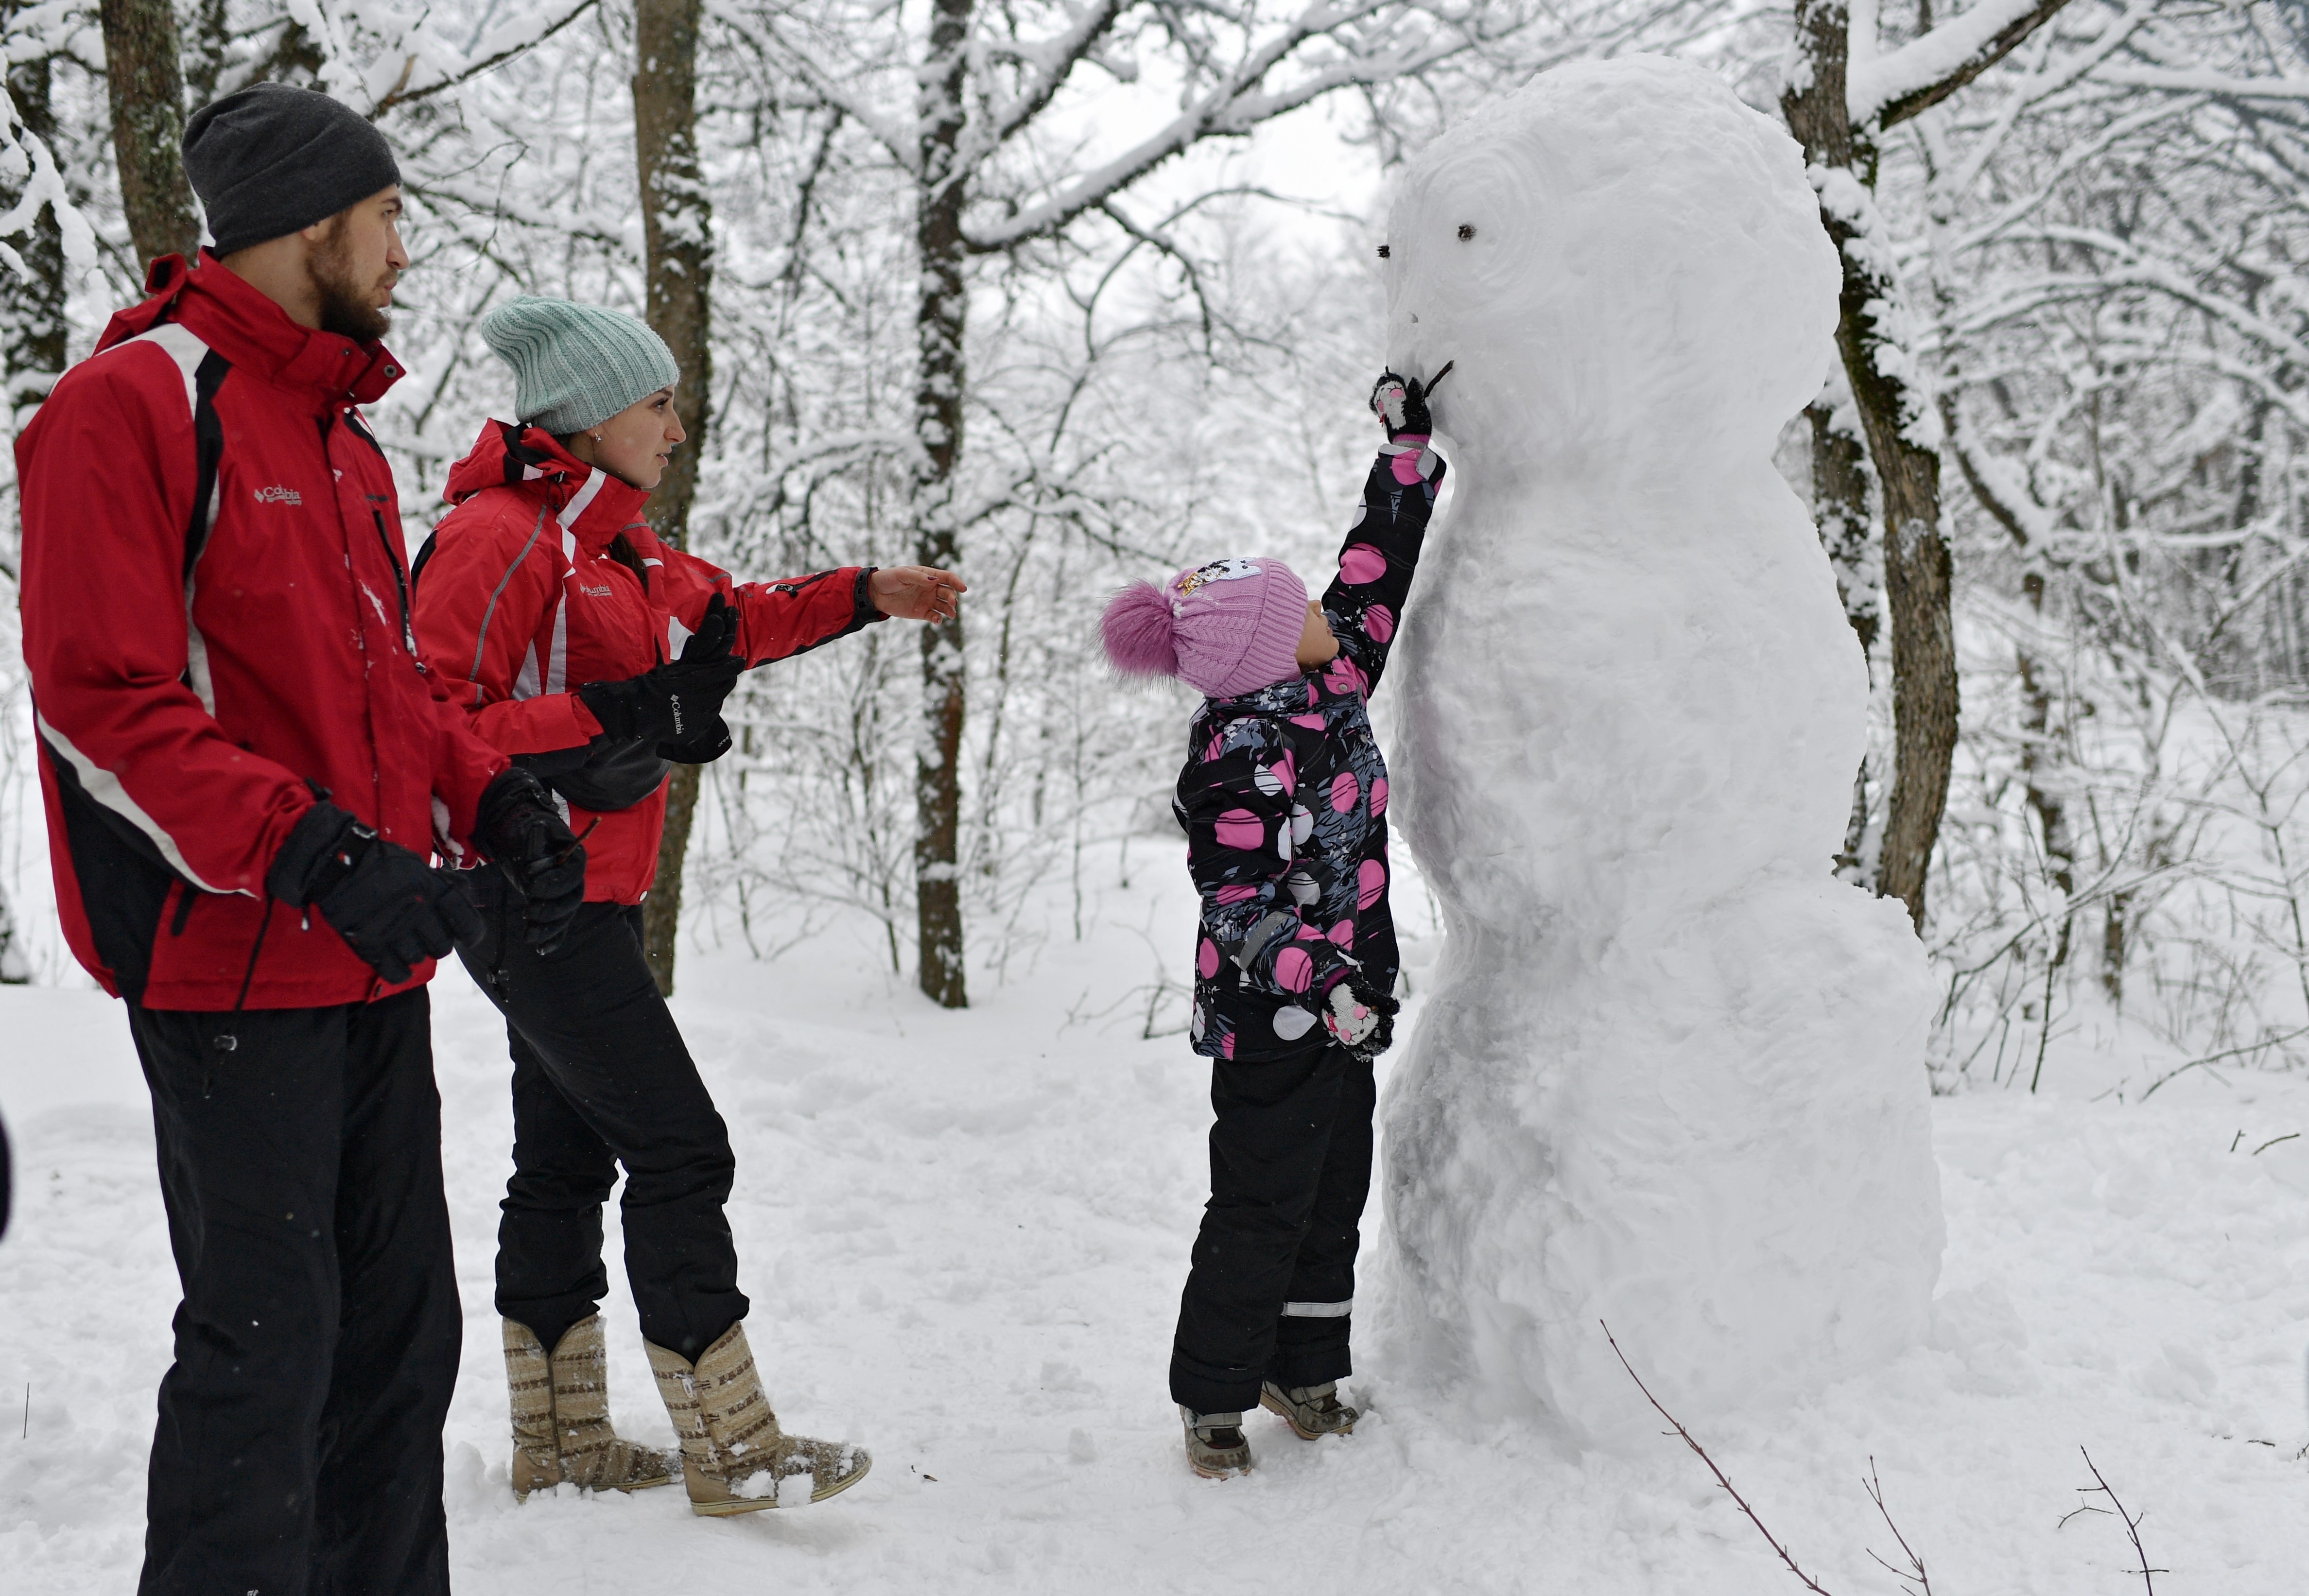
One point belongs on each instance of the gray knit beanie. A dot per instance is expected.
(576, 365)
(272, 159)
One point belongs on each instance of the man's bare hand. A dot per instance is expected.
(916, 592)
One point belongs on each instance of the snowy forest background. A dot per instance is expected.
(1065, 293)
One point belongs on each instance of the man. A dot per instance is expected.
(246, 770)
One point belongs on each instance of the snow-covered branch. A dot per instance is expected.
(1888, 90)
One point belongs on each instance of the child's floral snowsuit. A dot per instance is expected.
(1284, 797)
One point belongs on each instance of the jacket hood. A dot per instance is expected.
(588, 501)
(242, 323)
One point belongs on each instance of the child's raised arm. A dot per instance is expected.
(1364, 604)
(1236, 802)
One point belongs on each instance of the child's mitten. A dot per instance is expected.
(1359, 1019)
(1401, 405)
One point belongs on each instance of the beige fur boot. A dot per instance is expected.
(734, 1457)
(561, 1429)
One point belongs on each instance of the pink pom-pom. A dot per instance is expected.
(1136, 631)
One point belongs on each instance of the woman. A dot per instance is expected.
(594, 654)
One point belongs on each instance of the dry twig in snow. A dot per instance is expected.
(1919, 1577)
(2132, 1524)
(1810, 1584)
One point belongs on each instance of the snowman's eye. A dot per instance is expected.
(1467, 230)
(1382, 252)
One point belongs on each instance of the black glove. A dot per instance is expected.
(704, 750)
(525, 834)
(1401, 405)
(391, 908)
(679, 702)
(1360, 1018)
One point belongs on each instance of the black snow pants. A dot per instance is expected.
(600, 1078)
(1272, 1285)
(298, 1449)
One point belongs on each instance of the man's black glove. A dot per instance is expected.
(681, 700)
(524, 833)
(1401, 405)
(391, 908)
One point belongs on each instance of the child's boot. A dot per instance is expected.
(1216, 1446)
(1312, 1411)
(734, 1457)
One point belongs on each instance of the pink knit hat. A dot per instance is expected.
(1228, 627)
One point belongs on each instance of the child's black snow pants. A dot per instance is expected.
(1272, 1285)
(299, 1450)
(601, 1077)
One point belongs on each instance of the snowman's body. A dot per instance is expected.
(1671, 1074)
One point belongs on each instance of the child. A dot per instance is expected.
(1283, 799)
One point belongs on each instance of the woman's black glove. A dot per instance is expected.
(391, 908)
(681, 700)
(1401, 405)
(525, 834)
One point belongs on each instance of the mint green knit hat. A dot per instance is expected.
(576, 365)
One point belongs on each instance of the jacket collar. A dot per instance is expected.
(592, 505)
(240, 323)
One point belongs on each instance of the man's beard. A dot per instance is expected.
(345, 305)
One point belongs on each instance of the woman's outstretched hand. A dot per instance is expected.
(916, 592)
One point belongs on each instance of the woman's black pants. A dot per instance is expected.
(600, 1078)
(1272, 1290)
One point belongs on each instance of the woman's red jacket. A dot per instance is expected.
(520, 602)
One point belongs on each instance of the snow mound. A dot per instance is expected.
(1671, 1073)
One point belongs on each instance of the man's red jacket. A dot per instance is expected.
(521, 599)
(215, 615)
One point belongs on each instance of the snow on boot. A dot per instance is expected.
(1216, 1446)
(561, 1429)
(1313, 1411)
(734, 1457)
(593, 1454)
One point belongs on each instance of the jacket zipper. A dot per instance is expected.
(401, 582)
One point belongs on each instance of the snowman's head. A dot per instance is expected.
(1626, 265)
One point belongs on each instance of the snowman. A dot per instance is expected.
(1671, 1074)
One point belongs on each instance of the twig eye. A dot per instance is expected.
(1382, 252)
(1467, 230)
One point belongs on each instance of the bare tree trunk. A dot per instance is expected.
(147, 87)
(939, 321)
(1840, 502)
(677, 225)
(1915, 556)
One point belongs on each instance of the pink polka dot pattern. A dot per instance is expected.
(1207, 959)
(1237, 895)
(1342, 935)
(1345, 790)
(1293, 969)
(1311, 722)
(1370, 880)
(1379, 622)
(1240, 828)
(1362, 564)
(1379, 794)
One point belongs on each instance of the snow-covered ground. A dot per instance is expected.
(965, 1233)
